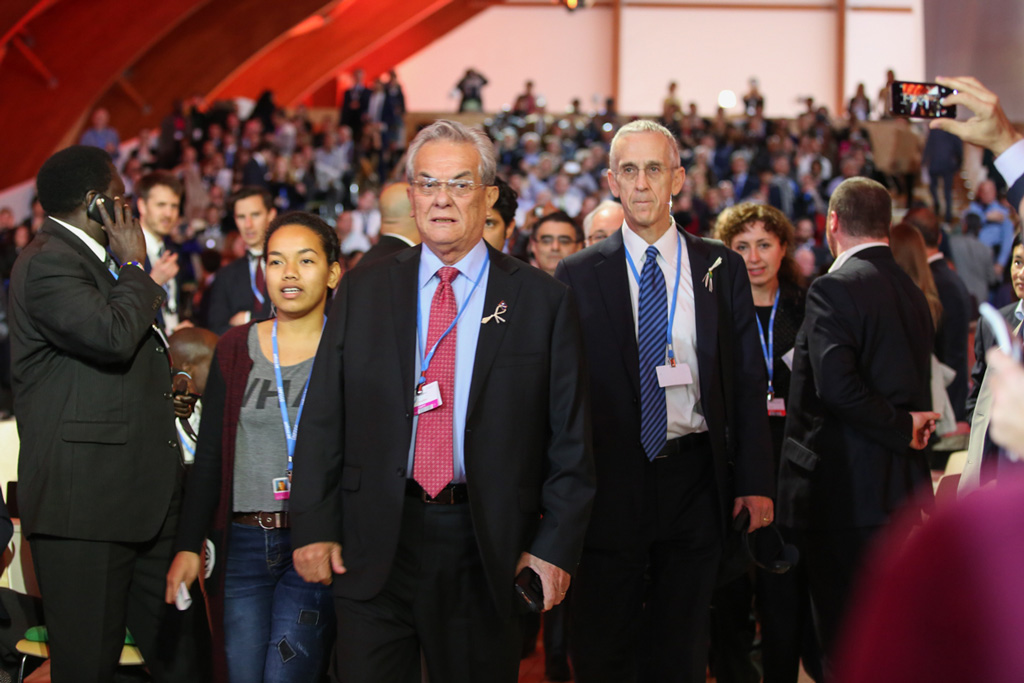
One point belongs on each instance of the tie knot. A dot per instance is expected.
(447, 274)
(652, 252)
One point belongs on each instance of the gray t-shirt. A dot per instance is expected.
(261, 451)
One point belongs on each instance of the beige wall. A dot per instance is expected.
(706, 50)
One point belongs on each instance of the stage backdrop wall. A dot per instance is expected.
(791, 51)
(981, 38)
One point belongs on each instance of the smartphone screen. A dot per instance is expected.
(920, 100)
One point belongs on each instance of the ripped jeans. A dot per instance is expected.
(277, 627)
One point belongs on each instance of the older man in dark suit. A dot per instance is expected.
(681, 440)
(445, 446)
(100, 468)
(859, 401)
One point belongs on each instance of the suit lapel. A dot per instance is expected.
(705, 306)
(502, 285)
(403, 295)
(612, 279)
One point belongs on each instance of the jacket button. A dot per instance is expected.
(400, 471)
(168, 394)
(172, 443)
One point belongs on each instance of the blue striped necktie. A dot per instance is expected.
(652, 338)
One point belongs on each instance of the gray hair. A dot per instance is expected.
(646, 126)
(588, 221)
(444, 130)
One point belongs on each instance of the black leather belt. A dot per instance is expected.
(452, 494)
(264, 520)
(684, 444)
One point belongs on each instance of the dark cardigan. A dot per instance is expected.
(206, 511)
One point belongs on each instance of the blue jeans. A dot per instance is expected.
(277, 627)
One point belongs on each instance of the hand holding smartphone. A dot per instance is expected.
(920, 100)
(93, 210)
(530, 589)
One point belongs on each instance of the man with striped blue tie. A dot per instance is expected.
(680, 428)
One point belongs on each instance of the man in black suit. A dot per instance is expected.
(354, 105)
(433, 466)
(159, 204)
(951, 335)
(681, 444)
(859, 401)
(99, 469)
(239, 292)
(397, 226)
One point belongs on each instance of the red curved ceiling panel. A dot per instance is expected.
(77, 43)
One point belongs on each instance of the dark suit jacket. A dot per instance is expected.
(231, 293)
(527, 441)
(731, 373)
(354, 104)
(951, 335)
(99, 453)
(862, 363)
(1015, 193)
(386, 246)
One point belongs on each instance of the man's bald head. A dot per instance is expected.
(396, 212)
(191, 351)
(602, 221)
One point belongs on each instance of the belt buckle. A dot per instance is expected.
(445, 496)
(259, 518)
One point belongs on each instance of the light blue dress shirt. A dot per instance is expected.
(467, 332)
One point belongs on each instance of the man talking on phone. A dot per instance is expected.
(99, 469)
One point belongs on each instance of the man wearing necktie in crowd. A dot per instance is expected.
(680, 428)
(239, 292)
(445, 445)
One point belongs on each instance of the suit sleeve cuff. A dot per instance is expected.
(1010, 163)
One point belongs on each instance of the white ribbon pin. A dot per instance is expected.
(708, 282)
(497, 314)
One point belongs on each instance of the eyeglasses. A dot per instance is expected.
(457, 187)
(631, 173)
(563, 240)
(597, 237)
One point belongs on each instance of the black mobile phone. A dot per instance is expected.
(530, 589)
(920, 100)
(93, 211)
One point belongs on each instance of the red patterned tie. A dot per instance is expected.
(432, 461)
(261, 285)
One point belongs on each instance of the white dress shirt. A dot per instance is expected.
(683, 401)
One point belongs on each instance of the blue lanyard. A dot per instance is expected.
(425, 363)
(769, 349)
(290, 433)
(185, 440)
(252, 281)
(675, 294)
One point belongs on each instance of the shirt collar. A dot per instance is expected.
(938, 256)
(637, 247)
(845, 256)
(153, 244)
(468, 266)
(399, 237)
(1019, 311)
(94, 246)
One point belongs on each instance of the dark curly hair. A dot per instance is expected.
(69, 175)
(738, 218)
